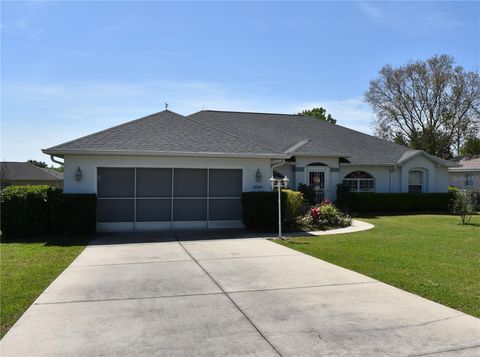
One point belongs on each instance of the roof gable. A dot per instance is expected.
(165, 133)
(410, 154)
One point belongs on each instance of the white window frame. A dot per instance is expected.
(469, 181)
(357, 180)
(326, 173)
(423, 178)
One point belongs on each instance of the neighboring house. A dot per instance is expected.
(467, 175)
(168, 170)
(24, 173)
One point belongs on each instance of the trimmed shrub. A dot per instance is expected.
(260, 209)
(308, 193)
(28, 211)
(73, 213)
(25, 210)
(293, 205)
(394, 202)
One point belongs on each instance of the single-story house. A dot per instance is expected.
(168, 170)
(24, 173)
(467, 175)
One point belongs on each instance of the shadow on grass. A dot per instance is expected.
(293, 242)
(377, 215)
(469, 224)
(50, 240)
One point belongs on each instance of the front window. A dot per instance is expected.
(359, 181)
(468, 180)
(415, 181)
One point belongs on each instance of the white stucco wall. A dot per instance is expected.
(436, 177)
(89, 164)
(287, 170)
(384, 176)
(302, 167)
(458, 179)
(387, 178)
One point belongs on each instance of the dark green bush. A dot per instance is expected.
(308, 193)
(25, 210)
(73, 213)
(394, 202)
(28, 211)
(260, 209)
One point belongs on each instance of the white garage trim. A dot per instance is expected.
(145, 224)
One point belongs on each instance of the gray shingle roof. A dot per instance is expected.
(468, 165)
(240, 134)
(163, 133)
(24, 171)
(281, 131)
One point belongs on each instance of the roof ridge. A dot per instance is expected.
(240, 112)
(114, 127)
(297, 146)
(42, 169)
(50, 171)
(231, 134)
(304, 116)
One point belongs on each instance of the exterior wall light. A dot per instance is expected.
(279, 184)
(258, 176)
(78, 174)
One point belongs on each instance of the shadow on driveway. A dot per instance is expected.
(171, 236)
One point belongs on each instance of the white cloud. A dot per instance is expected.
(353, 113)
(39, 115)
(411, 18)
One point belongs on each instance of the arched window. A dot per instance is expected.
(359, 181)
(415, 181)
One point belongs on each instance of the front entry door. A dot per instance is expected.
(317, 180)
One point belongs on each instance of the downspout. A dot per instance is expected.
(276, 164)
(56, 161)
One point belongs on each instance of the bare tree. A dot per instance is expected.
(430, 105)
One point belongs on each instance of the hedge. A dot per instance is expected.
(394, 202)
(73, 213)
(260, 209)
(25, 210)
(28, 211)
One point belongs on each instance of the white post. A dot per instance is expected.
(279, 210)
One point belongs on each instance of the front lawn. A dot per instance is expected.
(26, 269)
(433, 256)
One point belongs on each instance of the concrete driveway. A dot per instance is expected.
(171, 295)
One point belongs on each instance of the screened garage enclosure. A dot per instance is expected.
(165, 198)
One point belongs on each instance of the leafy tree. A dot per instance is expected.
(41, 164)
(319, 113)
(429, 105)
(471, 148)
(57, 168)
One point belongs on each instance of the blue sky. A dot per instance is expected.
(72, 68)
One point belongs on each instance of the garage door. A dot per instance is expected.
(158, 198)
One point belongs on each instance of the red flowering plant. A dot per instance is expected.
(322, 217)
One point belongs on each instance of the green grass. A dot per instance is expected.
(434, 256)
(26, 269)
